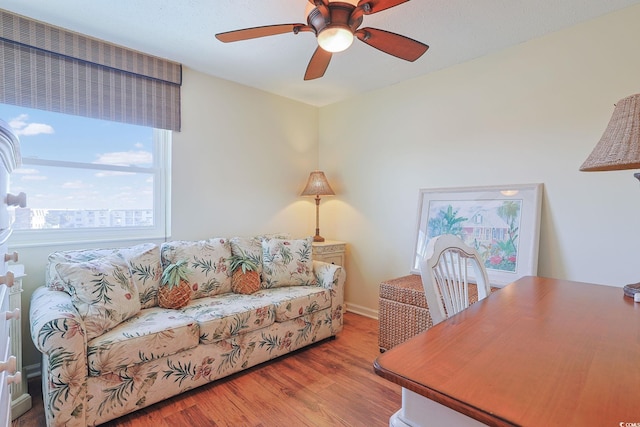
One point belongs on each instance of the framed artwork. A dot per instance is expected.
(501, 222)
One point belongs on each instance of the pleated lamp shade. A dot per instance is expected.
(619, 147)
(317, 185)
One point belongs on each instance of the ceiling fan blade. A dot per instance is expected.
(318, 64)
(255, 32)
(376, 6)
(394, 44)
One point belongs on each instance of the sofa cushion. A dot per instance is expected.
(224, 316)
(295, 301)
(151, 334)
(52, 278)
(287, 263)
(102, 291)
(145, 267)
(209, 263)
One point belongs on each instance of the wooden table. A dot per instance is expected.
(539, 352)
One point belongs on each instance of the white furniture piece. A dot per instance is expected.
(7, 362)
(20, 398)
(446, 270)
(9, 317)
(331, 251)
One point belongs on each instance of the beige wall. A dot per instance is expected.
(528, 114)
(239, 163)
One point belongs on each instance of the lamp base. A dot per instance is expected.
(318, 238)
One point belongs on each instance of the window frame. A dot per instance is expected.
(161, 171)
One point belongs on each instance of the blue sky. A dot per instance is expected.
(54, 136)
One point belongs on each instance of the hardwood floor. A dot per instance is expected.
(328, 384)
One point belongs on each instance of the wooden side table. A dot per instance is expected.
(330, 251)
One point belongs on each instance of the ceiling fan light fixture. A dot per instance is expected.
(334, 38)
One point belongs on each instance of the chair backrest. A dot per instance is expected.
(445, 270)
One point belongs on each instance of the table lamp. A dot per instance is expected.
(317, 185)
(619, 149)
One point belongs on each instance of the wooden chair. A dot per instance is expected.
(445, 272)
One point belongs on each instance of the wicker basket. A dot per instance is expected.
(403, 311)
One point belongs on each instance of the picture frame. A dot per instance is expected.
(501, 222)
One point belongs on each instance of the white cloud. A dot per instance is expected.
(75, 185)
(34, 178)
(126, 158)
(24, 171)
(25, 174)
(22, 128)
(107, 174)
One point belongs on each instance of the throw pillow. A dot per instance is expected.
(102, 291)
(52, 278)
(145, 268)
(208, 263)
(287, 263)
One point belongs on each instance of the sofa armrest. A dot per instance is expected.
(332, 277)
(55, 323)
(329, 276)
(57, 330)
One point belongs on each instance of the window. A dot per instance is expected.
(88, 179)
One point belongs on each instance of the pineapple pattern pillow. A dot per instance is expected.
(209, 272)
(249, 248)
(287, 263)
(247, 252)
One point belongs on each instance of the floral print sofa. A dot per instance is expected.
(108, 348)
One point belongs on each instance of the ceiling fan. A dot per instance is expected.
(335, 24)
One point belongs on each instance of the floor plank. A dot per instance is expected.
(330, 383)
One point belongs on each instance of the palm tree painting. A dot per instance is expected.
(490, 226)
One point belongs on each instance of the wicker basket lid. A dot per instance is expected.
(619, 147)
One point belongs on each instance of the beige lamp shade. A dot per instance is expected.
(619, 147)
(317, 185)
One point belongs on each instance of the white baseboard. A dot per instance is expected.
(363, 311)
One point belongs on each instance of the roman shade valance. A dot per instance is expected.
(50, 68)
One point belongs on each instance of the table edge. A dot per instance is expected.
(441, 398)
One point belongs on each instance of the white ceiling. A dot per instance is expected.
(183, 31)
